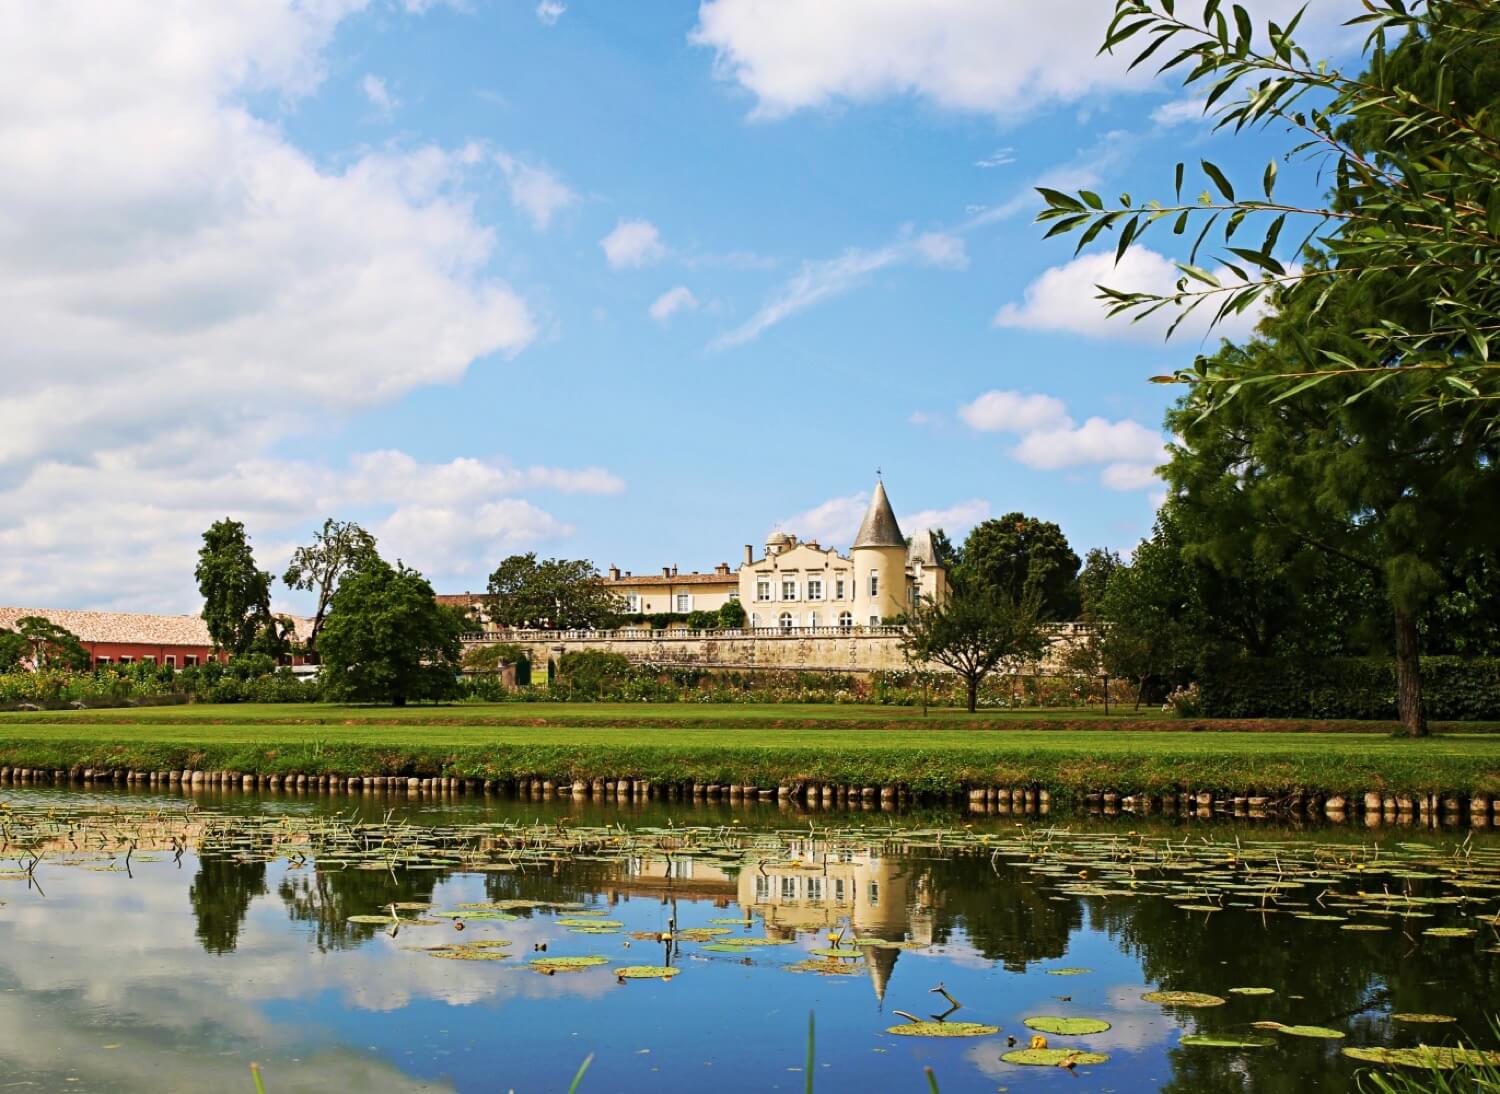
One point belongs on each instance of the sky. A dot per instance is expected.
(632, 282)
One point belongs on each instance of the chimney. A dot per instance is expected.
(666, 571)
(674, 569)
(749, 554)
(614, 573)
(722, 569)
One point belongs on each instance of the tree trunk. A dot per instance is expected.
(1140, 688)
(398, 700)
(1106, 696)
(1409, 677)
(973, 693)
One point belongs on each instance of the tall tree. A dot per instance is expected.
(1397, 497)
(51, 646)
(388, 640)
(337, 549)
(1099, 565)
(1015, 553)
(975, 630)
(1412, 147)
(565, 593)
(1150, 628)
(236, 593)
(13, 649)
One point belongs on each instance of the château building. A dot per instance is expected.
(794, 584)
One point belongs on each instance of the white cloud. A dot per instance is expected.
(182, 288)
(536, 191)
(971, 55)
(1001, 157)
(1065, 298)
(550, 11)
(1013, 412)
(956, 520)
(378, 93)
(1051, 440)
(1179, 111)
(443, 518)
(671, 302)
(1097, 440)
(819, 281)
(633, 244)
(1130, 476)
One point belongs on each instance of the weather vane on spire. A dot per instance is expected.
(877, 472)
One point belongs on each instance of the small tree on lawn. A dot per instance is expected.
(387, 639)
(51, 646)
(976, 629)
(339, 548)
(236, 593)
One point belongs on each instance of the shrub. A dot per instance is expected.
(1453, 688)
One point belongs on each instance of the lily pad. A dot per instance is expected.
(1322, 1032)
(647, 972)
(1200, 1040)
(824, 967)
(1424, 1056)
(1252, 991)
(571, 922)
(839, 951)
(1067, 1027)
(1053, 1057)
(1068, 972)
(385, 920)
(566, 964)
(943, 1029)
(1450, 932)
(1184, 998)
(1423, 1019)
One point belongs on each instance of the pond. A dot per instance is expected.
(150, 944)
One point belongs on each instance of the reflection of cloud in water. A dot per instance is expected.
(107, 961)
(1134, 1025)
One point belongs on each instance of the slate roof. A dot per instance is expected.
(879, 528)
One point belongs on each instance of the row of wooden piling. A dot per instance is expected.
(1480, 810)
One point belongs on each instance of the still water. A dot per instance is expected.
(225, 938)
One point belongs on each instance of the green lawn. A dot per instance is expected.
(717, 715)
(859, 746)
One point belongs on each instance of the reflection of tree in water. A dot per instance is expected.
(327, 898)
(221, 895)
(1006, 919)
(1338, 974)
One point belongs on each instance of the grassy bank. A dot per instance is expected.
(941, 756)
(707, 715)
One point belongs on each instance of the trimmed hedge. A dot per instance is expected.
(1453, 688)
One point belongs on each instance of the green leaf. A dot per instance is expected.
(1220, 180)
(1270, 179)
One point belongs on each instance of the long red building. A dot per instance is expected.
(124, 638)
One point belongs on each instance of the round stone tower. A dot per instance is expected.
(879, 557)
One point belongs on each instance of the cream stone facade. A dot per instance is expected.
(794, 586)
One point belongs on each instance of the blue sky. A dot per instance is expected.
(632, 282)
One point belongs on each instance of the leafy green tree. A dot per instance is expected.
(732, 615)
(1341, 470)
(387, 639)
(337, 549)
(236, 593)
(1014, 553)
(591, 673)
(975, 630)
(1412, 147)
(1099, 565)
(51, 646)
(1150, 624)
(13, 649)
(566, 593)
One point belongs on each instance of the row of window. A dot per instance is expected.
(170, 660)
(787, 621)
(810, 888)
(763, 588)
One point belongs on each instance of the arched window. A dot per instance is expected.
(786, 621)
(846, 621)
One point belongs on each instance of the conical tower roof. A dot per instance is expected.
(879, 528)
(881, 962)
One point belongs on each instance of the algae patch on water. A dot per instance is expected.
(943, 1029)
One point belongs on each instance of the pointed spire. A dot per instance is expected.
(879, 528)
(881, 962)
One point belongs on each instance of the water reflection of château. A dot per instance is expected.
(816, 886)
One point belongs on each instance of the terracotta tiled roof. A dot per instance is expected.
(129, 627)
